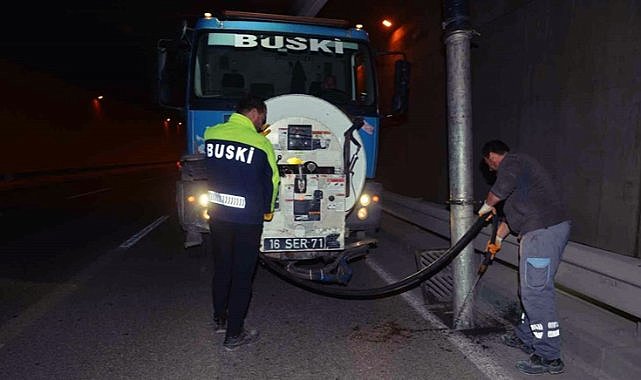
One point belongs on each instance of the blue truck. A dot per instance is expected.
(318, 77)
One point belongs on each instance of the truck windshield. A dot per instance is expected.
(230, 64)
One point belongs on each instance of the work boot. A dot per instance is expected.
(220, 324)
(232, 343)
(510, 339)
(536, 365)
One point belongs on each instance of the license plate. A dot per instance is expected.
(293, 244)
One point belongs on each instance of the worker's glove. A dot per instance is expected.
(495, 247)
(485, 209)
(268, 216)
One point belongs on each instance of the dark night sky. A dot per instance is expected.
(104, 46)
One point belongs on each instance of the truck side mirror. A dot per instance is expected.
(173, 58)
(400, 99)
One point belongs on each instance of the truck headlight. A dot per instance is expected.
(365, 200)
(362, 213)
(203, 199)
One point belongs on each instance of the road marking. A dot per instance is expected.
(89, 193)
(134, 239)
(471, 350)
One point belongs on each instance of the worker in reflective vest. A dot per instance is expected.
(242, 180)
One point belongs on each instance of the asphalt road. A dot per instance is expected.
(95, 284)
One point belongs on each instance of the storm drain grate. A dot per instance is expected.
(440, 288)
(438, 294)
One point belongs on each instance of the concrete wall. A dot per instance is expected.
(561, 80)
(50, 125)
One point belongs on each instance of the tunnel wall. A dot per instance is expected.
(49, 125)
(561, 80)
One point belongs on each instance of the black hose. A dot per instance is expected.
(347, 157)
(398, 287)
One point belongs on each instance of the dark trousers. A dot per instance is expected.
(235, 250)
(540, 255)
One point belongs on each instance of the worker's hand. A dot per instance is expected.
(495, 247)
(268, 216)
(487, 209)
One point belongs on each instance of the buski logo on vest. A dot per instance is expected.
(230, 152)
(281, 43)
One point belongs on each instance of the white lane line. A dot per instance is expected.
(89, 193)
(134, 239)
(471, 351)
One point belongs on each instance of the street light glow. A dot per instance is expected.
(387, 23)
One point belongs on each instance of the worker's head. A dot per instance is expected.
(255, 109)
(493, 152)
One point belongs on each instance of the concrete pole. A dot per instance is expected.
(459, 121)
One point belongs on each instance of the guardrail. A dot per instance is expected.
(608, 278)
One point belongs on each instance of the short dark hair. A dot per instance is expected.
(250, 102)
(495, 146)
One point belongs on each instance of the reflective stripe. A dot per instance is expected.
(226, 199)
(537, 330)
(553, 329)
